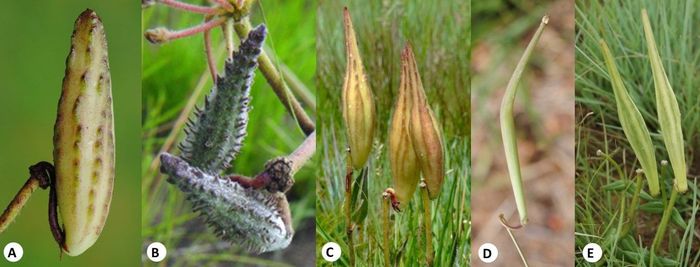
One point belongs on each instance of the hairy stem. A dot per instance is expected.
(273, 77)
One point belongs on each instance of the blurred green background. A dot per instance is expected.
(35, 43)
(171, 73)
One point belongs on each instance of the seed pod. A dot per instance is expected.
(357, 100)
(258, 220)
(667, 108)
(402, 156)
(84, 137)
(424, 129)
(507, 123)
(633, 124)
(215, 135)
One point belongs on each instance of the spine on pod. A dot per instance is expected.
(258, 220)
(216, 136)
(84, 137)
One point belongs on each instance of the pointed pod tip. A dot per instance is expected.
(89, 15)
(258, 33)
(346, 15)
(545, 19)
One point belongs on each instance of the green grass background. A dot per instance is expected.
(676, 25)
(440, 34)
(170, 73)
(33, 51)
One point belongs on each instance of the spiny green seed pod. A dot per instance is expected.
(357, 100)
(424, 129)
(402, 156)
(84, 137)
(633, 123)
(258, 220)
(216, 136)
(669, 113)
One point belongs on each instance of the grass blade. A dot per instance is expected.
(632, 123)
(667, 108)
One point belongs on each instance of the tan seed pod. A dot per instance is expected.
(424, 129)
(357, 100)
(84, 137)
(402, 156)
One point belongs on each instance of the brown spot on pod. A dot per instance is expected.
(80, 150)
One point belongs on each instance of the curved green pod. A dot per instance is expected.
(508, 125)
(84, 137)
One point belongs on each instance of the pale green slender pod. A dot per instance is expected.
(508, 125)
(667, 110)
(633, 123)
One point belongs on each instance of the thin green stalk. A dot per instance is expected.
(661, 231)
(427, 221)
(508, 125)
(633, 206)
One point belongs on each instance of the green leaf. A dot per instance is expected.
(633, 123)
(652, 207)
(668, 112)
(359, 197)
(678, 219)
(618, 185)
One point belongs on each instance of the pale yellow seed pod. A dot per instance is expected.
(84, 137)
(402, 156)
(357, 100)
(424, 129)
